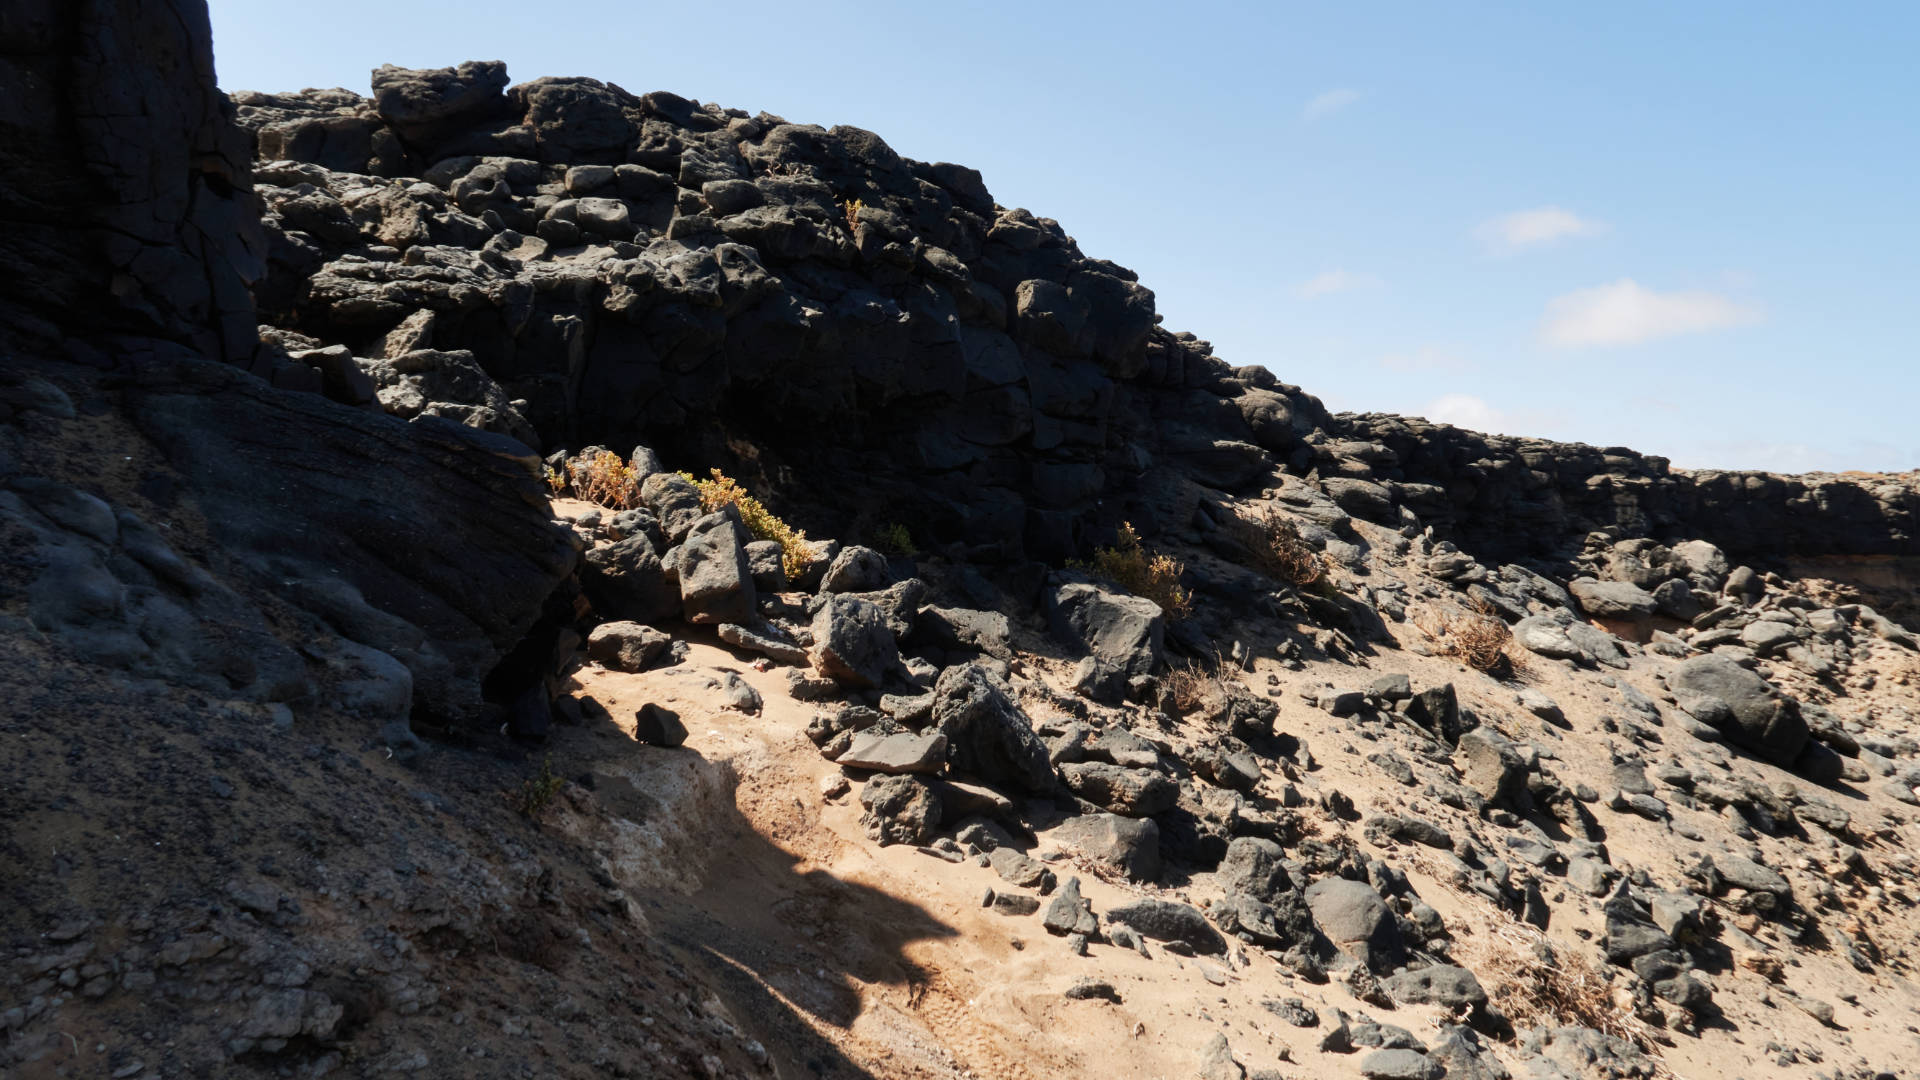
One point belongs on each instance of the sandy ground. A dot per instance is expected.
(888, 955)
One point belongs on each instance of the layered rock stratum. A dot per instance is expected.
(389, 696)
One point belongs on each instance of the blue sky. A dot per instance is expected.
(1690, 229)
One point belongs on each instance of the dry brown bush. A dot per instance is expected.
(1278, 549)
(1480, 639)
(1190, 684)
(605, 478)
(1533, 992)
(1153, 575)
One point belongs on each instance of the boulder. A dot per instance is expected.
(1070, 913)
(851, 643)
(425, 105)
(658, 726)
(898, 752)
(625, 646)
(1354, 917)
(765, 559)
(1253, 866)
(764, 643)
(1492, 765)
(716, 584)
(900, 810)
(1127, 630)
(628, 581)
(987, 734)
(964, 630)
(856, 569)
(1169, 920)
(1705, 566)
(1400, 1064)
(1128, 792)
(1613, 599)
(1438, 710)
(1742, 705)
(1128, 846)
(1453, 988)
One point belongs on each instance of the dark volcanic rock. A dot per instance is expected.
(458, 545)
(1753, 714)
(987, 734)
(149, 228)
(1168, 920)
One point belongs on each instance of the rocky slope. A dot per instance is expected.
(342, 744)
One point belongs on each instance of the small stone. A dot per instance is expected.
(1088, 989)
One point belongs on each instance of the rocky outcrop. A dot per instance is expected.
(125, 186)
(416, 554)
(1508, 498)
(644, 268)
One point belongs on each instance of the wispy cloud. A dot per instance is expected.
(1512, 233)
(1628, 313)
(1426, 358)
(1337, 281)
(1477, 414)
(1324, 105)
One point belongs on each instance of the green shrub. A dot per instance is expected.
(894, 539)
(536, 792)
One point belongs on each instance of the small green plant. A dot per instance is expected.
(1155, 575)
(536, 792)
(894, 539)
(605, 478)
(721, 490)
(556, 482)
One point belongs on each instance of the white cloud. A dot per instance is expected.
(1518, 231)
(1426, 358)
(1477, 414)
(1337, 281)
(1324, 105)
(1628, 313)
(1463, 410)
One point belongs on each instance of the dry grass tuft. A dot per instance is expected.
(1278, 549)
(1480, 639)
(1190, 684)
(604, 478)
(1153, 575)
(1533, 992)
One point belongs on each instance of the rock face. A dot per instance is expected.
(152, 233)
(1717, 691)
(462, 574)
